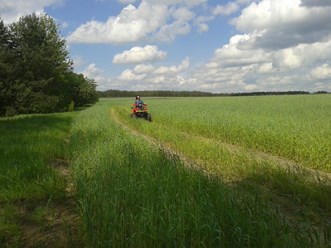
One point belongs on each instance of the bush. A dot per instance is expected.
(71, 106)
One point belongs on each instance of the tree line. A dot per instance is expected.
(160, 93)
(36, 73)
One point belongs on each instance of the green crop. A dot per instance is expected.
(134, 191)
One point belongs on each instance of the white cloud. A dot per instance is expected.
(147, 76)
(157, 20)
(322, 72)
(231, 55)
(227, 9)
(138, 55)
(132, 24)
(92, 71)
(302, 55)
(11, 11)
(143, 69)
(129, 75)
(265, 68)
(183, 14)
(78, 61)
(201, 23)
(170, 31)
(283, 24)
(95, 73)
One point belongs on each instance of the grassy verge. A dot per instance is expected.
(132, 194)
(33, 197)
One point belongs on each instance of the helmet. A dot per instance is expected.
(137, 97)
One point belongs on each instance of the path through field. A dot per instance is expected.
(258, 155)
(289, 206)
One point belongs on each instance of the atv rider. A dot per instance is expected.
(139, 103)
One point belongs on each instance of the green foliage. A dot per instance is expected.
(36, 73)
(71, 106)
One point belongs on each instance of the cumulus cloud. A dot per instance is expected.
(170, 31)
(321, 72)
(157, 20)
(161, 77)
(92, 71)
(231, 54)
(227, 9)
(138, 55)
(11, 11)
(201, 23)
(132, 24)
(183, 14)
(282, 24)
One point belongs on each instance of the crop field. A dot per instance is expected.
(207, 172)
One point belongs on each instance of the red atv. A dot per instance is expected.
(140, 111)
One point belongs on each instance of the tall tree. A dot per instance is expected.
(36, 74)
(42, 60)
(40, 44)
(6, 67)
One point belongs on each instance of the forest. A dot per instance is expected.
(194, 93)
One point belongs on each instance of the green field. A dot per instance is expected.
(207, 172)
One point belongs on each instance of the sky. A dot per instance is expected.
(219, 46)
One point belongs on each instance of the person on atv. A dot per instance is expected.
(139, 103)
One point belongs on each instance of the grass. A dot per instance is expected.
(295, 127)
(251, 186)
(133, 194)
(28, 145)
(233, 138)
(30, 184)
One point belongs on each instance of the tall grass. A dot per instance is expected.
(295, 127)
(29, 144)
(133, 195)
(239, 137)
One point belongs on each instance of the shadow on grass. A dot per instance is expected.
(25, 123)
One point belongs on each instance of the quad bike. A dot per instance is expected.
(140, 111)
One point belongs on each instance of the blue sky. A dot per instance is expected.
(208, 45)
